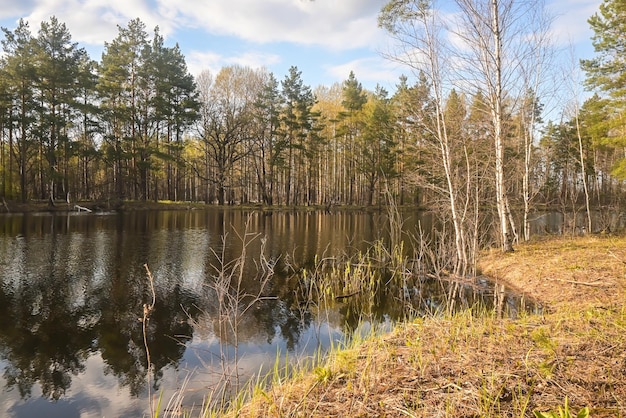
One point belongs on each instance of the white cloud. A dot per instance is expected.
(94, 22)
(198, 61)
(338, 25)
(329, 24)
(15, 8)
(369, 71)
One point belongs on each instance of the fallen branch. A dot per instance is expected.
(349, 295)
(596, 283)
(612, 254)
(82, 208)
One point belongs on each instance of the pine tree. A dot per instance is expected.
(606, 71)
(354, 98)
(298, 122)
(58, 69)
(119, 85)
(170, 106)
(377, 144)
(19, 69)
(87, 128)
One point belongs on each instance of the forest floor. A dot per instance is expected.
(468, 365)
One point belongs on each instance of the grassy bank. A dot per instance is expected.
(469, 365)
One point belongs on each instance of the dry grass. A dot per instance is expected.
(581, 271)
(481, 366)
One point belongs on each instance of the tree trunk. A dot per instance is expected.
(583, 172)
(501, 200)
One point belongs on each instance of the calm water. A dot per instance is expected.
(73, 287)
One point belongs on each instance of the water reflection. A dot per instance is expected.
(73, 287)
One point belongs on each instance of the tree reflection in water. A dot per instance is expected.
(73, 287)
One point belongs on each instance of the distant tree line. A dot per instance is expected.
(137, 125)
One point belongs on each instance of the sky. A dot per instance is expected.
(325, 39)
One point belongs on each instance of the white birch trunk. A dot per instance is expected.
(583, 171)
(501, 200)
(461, 263)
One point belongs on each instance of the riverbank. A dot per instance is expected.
(119, 205)
(94, 206)
(484, 366)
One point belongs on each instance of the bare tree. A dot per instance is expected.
(480, 32)
(487, 46)
(497, 42)
(418, 31)
(535, 78)
(226, 122)
(576, 101)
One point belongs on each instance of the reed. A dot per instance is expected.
(233, 300)
(354, 281)
(471, 362)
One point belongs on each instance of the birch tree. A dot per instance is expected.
(481, 33)
(528, 115)
(484, 46)
(581, 151)
(417, 28)
(537, 83)
(503, 51)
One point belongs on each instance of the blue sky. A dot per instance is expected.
(325, 39)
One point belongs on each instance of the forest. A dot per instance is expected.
(138, 126)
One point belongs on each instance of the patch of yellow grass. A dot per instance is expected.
(583, 271)
(463, 366)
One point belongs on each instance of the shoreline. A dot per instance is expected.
(61, 206)
(468, 365)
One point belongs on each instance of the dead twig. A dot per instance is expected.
(612, 254)
(349, 295)
(596, 283)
